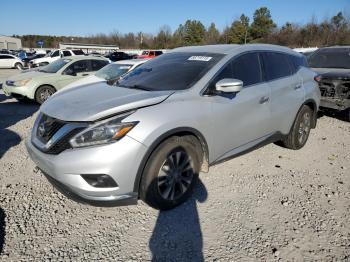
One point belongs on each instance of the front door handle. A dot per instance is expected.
(297, 87)
(264, 99)
(85, 74)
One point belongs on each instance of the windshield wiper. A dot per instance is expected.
(140, 87)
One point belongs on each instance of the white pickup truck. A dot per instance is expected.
(53, 56)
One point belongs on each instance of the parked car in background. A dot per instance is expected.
(170, 118)
(5, 51)
(41, 83)
(150, 54)
(53, 56)
(111, 72)
(333, 66)
(117, 56)
(10, 61)
(32, 57)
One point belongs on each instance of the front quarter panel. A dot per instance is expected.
(174, 113)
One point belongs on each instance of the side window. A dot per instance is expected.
(98, 64)
(158, 53)
(151, 53)
(56, 53)
(276, 65)
(247, 69)
(80, 66)
(66, 53)
(7, 57)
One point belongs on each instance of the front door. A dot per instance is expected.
(241, 119)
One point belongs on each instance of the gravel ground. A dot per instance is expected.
(270, 204)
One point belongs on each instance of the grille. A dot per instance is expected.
(47, 127)
(63, 143)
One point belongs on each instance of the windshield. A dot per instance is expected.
(112, 71)
(54, 66)
(171, 71)
(330, 58)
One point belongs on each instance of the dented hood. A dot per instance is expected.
(99, 100)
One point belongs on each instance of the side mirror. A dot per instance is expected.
(229, 85)
(70, 72)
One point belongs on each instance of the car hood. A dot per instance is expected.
(28, 74)
(99, 100)
(84, 81)
(39, 60)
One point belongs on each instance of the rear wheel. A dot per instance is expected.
(19, 66)
(300, 131)
(171, 172)
(43, 93)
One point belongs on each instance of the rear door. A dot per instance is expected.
(6, 61)
(287, 93)
(243, 118)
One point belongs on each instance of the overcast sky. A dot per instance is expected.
(82, 18)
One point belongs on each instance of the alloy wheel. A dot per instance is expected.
(175, 175)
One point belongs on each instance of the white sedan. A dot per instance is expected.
(10, 61)
(110, 72)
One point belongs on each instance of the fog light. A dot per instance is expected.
(99, 180)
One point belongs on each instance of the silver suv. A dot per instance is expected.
(149, 136)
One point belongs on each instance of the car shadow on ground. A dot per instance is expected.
(2, 229)
(11, 113)
(177, 235)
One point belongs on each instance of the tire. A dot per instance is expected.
(300, 131)
(346, 114)
(171, 172)
(43, 93)
(19, 66)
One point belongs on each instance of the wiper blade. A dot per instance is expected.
(136, 87)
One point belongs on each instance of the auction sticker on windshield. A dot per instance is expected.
(200, 58)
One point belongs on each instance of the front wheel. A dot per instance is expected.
(19, 66)
(43, 93)
(171, 172)
(300, 131)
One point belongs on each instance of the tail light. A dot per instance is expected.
(318, 78)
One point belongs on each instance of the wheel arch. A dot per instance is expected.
(312, 104)
(180, 131)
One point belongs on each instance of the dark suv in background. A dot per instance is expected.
(333, 66)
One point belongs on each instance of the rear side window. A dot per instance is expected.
(247, 69)
(78, 52)
(297, 62)
(66, 53)
(158, 53)
(6, 57)
(276, 65)
(98, 64)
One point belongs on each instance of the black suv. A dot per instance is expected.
(333, 66)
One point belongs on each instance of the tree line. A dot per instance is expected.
(262, 29)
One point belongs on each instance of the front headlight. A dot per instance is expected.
(21, 82)
(107, 131)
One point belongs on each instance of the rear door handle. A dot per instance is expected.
(297, 87)
(264, 99)
(85, 74)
